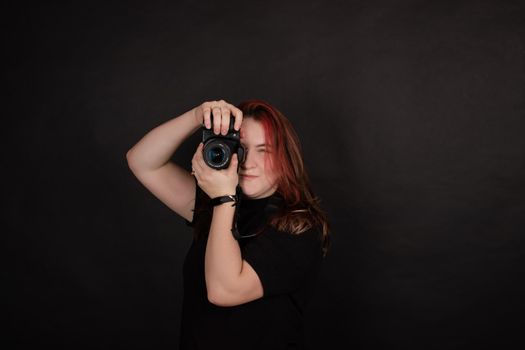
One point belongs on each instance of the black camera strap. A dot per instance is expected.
(235, 230)
(274, 204)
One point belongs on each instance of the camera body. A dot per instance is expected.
(219, 149)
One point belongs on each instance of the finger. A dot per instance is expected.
(216, 120)
(199, 159)
(207, 111)
(197, 176)
(225, 121)
(197, 169)
(238, 117)
(232, 168)
(198, 154)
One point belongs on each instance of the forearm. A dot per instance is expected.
(157, 146)
(223, 261)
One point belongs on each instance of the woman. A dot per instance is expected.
(247, 291)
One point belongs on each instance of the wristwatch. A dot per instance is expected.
(224, 199)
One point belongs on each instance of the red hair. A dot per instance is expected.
(303, 210)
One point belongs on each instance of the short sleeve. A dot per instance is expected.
(283, 261)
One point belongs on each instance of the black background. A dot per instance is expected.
(411, 115)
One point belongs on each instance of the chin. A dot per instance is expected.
(248, 191)
(255, 191)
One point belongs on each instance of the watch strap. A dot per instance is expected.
(224, 199)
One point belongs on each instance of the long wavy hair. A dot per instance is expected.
(302, 210)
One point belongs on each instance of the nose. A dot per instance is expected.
(248, 160)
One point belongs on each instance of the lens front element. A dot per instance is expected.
(216, 154)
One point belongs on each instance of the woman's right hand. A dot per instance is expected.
(221, 112)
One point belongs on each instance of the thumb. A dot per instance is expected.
(234, 162)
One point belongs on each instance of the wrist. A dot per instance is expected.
(198, 121)
(222, 192)
(231, 199)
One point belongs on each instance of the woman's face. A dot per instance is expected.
(256, 177)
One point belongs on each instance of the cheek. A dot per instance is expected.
(266, 163)
(269, 174)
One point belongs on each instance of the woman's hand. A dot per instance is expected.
(220, 111)
(212, 181)
(215, 182)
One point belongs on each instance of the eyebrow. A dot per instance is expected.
(259, 145)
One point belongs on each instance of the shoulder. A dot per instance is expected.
(309, 239)
(297, 246)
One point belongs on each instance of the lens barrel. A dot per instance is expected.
(217, 154)
(219, 149)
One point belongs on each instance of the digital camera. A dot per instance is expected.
(219, 149)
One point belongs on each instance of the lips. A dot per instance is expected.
(247, 177)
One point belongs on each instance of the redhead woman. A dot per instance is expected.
(260, 234)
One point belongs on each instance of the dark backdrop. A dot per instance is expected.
(411, 115)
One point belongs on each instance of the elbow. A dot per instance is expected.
(219, 297)
(215, 298)
(130, 160)
(128, 156)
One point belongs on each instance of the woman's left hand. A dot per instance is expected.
(215, 182)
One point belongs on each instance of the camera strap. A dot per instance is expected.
(235, 230)
(274, 204)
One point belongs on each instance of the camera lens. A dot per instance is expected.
(216, 155)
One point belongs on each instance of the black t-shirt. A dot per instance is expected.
(287, 266)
